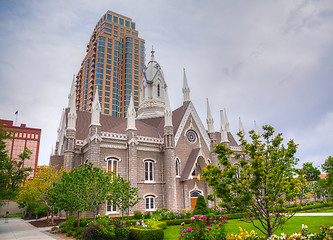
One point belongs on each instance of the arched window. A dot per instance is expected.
(149, 170)
(177, 167)
(113, 165)
(158, 90)
(150, 202)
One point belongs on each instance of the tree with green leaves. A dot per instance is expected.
(261, 183)
(12, 174)
(328, 169)
(310, 172)
(201, 206)
(37, 190)
(123, 195)
(82, 189)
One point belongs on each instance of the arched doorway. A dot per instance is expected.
(194, 196)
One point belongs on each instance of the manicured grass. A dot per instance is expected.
(172, 232)
(292, 225)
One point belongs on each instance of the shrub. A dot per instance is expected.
(91, 233)
(62, 225)
(176, 221)
(201, 206)
(155, 233)
(54, 228)
(137, 215)
(202, 228)
(12, 216)
(147, 215)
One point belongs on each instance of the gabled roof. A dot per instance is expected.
(153, 127)
(189, 163)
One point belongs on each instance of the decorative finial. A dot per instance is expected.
(152, 51)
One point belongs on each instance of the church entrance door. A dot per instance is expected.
(194, 196)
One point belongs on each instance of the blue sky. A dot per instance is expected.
(269, 61)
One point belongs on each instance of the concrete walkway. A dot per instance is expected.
(17, 228)
(314, 214)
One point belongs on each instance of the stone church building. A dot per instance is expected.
(159, 150)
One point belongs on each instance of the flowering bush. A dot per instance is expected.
(143, 224)
(179, 214)
(202, 228)
(325, 233)
(244, 235)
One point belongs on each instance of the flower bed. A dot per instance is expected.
(203, 228)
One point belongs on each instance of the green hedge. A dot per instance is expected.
(308, 207)
(161, 225)
(176, 221)
(12, 216)
(155, 233)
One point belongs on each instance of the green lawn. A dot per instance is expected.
(293, 225)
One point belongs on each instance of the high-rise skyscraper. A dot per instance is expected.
(113, 64)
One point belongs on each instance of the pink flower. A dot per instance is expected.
(220, 218)
(189, 229)
(214, 221)
(184, 231)
(124, 222)
(225, 221)
(182, 224)
(220, 224)
(211, 219)
(209, 228)
(211, 225)
(226, 217)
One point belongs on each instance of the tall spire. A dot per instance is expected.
(60, 125)
(131, 115)
(256, 130)
(241, 128)
(209, 120)
(167, 111)
(227, 125)
(96, 110)
(152, 58)
(224, 133)
(72, 107)
(186, 89)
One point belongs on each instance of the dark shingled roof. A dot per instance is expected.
(189, 163)
(232, 141)
(153, 127)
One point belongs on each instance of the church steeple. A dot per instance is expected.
(96, 110)
(186, 89)
(256, 130)
(227, 125)
(152, 91)
(131, 115)
(72, 107)
(241, 128)
(224, 133)
(209, 120)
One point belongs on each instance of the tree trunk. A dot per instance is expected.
(78, 220)
(52, 215)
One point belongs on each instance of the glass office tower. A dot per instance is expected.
(113, 64)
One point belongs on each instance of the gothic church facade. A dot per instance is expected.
(160, 151)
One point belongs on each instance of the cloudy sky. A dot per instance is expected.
(269, 61)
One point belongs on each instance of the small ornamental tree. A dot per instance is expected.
(123, 195)
(310, 172)
(82, 189)
(262, 181)
(328, 169)
(37, 190)
(201, 206)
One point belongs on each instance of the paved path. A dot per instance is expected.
(314, 214)
(17, 228)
